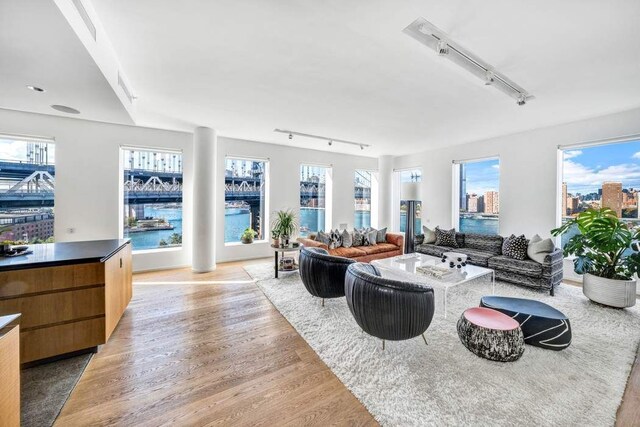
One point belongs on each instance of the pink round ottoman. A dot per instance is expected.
(491, 334)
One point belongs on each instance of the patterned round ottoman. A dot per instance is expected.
(491, 334)
(542, 325)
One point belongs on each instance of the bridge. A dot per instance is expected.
(32, 185)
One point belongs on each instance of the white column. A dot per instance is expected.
(204, 199)
(385, 182)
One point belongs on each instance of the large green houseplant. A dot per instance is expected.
(606, 254)
(285, 225)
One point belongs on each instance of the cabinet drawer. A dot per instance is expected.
(37, 280)
(38, 310)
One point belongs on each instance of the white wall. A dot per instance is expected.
(87, 196)
(284, 191)
(528, 171)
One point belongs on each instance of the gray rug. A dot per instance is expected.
(46, 388)
(445, 384)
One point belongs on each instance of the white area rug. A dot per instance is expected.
(443, 383)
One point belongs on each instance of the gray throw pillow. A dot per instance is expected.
(538, 248)
(358, 238)
(505, 243)
(347, 239)
(335, 240)
(323, 237)
(419, 239)
(370, 238)
(429, 235)
(516, 248)
(381, 237)
(446, 238)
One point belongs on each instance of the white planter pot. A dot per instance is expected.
(614, 293)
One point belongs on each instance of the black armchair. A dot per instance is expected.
(323, 274)
(385, 308)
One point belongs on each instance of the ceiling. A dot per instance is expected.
(39, 48)
(342, 69)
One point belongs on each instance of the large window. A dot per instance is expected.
(152, 198)
(478, 196)
(27, 186)
(244, 198)
(413, 175)
(362, 199)
(601, 176)
(314, 194)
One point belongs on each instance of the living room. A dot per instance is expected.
(319, 213)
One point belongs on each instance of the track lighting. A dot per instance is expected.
(442, 48)
(437, 40)
(488, 78)
(329, 141)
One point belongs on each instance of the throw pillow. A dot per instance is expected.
(370, 237)
(381, 237)
(347, 239)
(419, 239)
(429, 235)
(358, 238)
(446, 238)
(323, 237)
(334, 239)
(538, 248)
(505, 243)
(516, 247)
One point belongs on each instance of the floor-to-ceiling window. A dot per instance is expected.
(27, 187)
(605, 175)
(478, 196)
(152, 204)
(244, 198)
(410, 175)
(313, 198)
(362, 199)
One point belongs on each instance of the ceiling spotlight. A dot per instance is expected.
(489, 78)
(35, 88)
(330, 143)
(65, 109)
(442, 48)
(521, 100)
(290, 136)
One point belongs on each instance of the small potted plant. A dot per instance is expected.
(275, 237)
(286, 224)
(606, 254)
(248, 236)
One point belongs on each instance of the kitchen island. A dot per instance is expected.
(70, 295)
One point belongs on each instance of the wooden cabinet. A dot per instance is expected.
(9, 372)
(69, 307)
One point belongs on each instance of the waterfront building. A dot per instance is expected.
(612, 196)
(492, 202)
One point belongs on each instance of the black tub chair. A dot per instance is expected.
(388, 309)
(323, 274)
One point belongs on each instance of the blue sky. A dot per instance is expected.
(483, 176)
(585, 169)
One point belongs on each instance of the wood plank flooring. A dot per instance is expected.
(207, 349)
(210, 349)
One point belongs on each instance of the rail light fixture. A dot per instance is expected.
(330, 141)
(435, 39)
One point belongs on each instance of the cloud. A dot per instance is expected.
(636, 155)
(570, 154)
(497, 166)
(582, 178)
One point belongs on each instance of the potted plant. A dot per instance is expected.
(606, 254)
(275, 236)
(248, 236)
(285, 223)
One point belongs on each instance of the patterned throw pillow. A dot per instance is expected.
(505, 243)
(335, 239)
(515, 247)
(347, 239)
(323, 237)
(370, 237)
(381, 237)
(358, 238)
(446, 237)
(419, 239)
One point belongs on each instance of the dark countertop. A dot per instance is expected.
(8, 321)
(52, 254)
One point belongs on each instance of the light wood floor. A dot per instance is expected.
(207, 349)
(211, 349)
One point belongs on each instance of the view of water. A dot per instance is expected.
(362, 219)
(480, 225)
(417, 226)
(151, 239)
